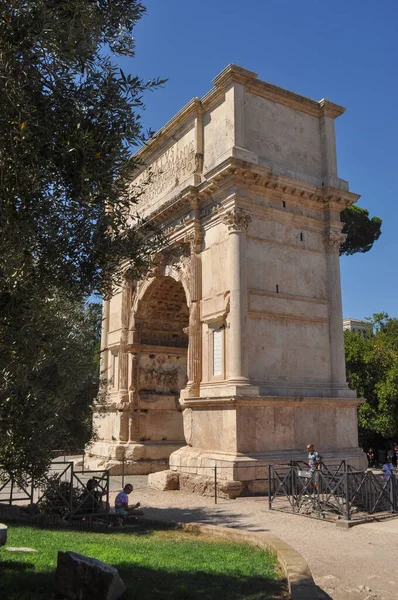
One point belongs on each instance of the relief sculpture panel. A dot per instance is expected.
(162, 373)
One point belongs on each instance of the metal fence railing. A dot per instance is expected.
(331, 492)
(64, 493)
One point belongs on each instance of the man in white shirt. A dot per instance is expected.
(122, 503)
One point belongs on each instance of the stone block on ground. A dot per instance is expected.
(80, 577)
(196, 484)
(3, 534)
(259, 486)
(164, 480)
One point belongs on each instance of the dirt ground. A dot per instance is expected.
(354, 564)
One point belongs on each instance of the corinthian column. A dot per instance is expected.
(134, 397)
(104, 357)
(333, 241)
(123, 367)
(237, 220)
(194, 367)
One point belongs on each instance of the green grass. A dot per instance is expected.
(153, 564)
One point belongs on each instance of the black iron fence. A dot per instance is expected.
(64, 493)
(331, 492)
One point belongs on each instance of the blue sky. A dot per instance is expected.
(345, 51)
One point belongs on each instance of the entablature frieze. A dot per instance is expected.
(152, 349)
(251, 177)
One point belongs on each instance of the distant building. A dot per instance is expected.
(357, 325)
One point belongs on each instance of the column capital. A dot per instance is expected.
(193, 239)
(333, 240)
(237, 219)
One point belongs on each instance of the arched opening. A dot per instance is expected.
(161, 320)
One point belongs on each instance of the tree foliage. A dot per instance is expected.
(68, 127)
(50, 379)
(362, 231)
(68, 124)
(372, 370)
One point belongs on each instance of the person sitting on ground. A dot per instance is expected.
(97, 492)
(89, 500)
(122, 507)
(371, 456)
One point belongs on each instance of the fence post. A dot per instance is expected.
(12, 489)
(107, 499)
(391, 486)
(215, 484)
(71, 465)
(347, 496)
(123, 468)
(32, 491)
(83, 461)
(269, 489)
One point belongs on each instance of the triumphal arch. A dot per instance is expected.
(230, 351)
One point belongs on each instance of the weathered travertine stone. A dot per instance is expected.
(234, 339)
(79, 577)
(197, 484)
(164, 480)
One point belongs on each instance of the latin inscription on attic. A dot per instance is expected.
(168, 171)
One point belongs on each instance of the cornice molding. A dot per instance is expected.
(273, 401)
(234, 73)
(241, 173)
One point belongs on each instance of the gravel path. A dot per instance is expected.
(354, 564)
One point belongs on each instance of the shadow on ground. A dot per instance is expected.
(322, 594)
(209, 516)
(149, 584)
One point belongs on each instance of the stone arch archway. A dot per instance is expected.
(161, 313)
(159, 320)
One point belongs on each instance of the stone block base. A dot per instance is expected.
(194, 484)
(238, 474)
(132, 458)
(204, 486)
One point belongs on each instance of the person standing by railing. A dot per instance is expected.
(388, 468)
(314, 463)
(314, 458)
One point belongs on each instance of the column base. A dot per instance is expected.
(228, 388)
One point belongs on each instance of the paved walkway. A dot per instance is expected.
(354, 564)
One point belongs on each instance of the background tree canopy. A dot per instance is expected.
(361, 231)
(372, 370)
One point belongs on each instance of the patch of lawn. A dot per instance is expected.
(153, 564)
